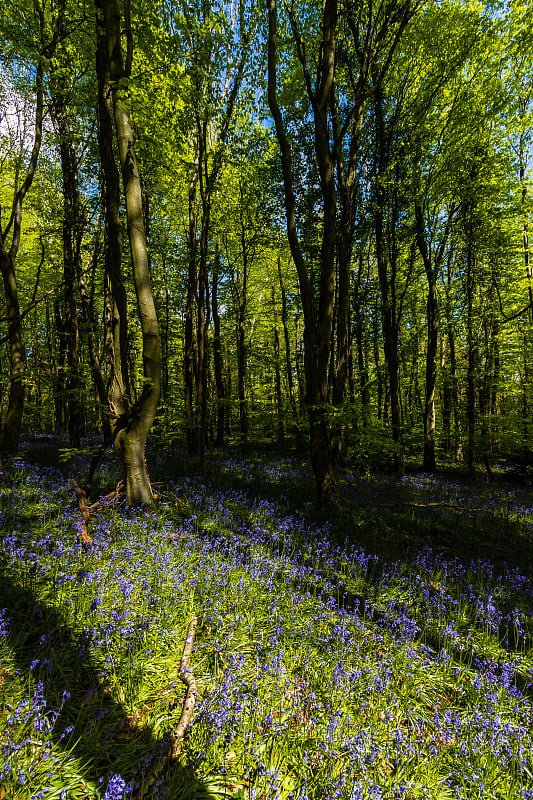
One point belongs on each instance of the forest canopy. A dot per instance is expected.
(239, 221)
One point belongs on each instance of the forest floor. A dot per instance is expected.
(383, 652)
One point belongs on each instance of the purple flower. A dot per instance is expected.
(115, 788)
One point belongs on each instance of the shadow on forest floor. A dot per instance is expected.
(468, 519)
(482, 519)
(92, 726)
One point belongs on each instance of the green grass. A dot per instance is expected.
(382, 653)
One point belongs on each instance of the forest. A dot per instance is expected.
(266, 399)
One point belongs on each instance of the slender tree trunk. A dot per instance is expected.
(495, 388)
(165, 346)
(277, 373)
(285, 323)
(11, 429)
(388, 305)
(116, 345)
(299, 366)
(446, 398)
(379, 371)
(526, 436)
(188, 351)
(202, 324)
(229, 395)
(317, 320)
(94, 359)
(17, 357)
(362, 367)
(471, 369)
(241, 373)
(526, 422)
(72, 235)
(430, 464)
(217, 352)
(390, 342)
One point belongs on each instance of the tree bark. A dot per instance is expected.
(116, 336)
(472, 361)
(280, 428)
(217, 352)
(288, 362)
(387, 284)
(94, 359)
(362, 368)
(72, 236)
(188, 351)
(241, 295)
(430, 464)
(12, 426)
(133, 423)
(317, 322)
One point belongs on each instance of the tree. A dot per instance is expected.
(131, 423)
(372, 40)
(9, 248)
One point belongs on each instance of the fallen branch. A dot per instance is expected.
(114, 495)
(85, 513)
(171, 746)
(186, 677)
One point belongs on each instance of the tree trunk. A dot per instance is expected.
(379, 371)
(11, 429)
(317, 320)
(241, 374)
(17, 357)
(94, 359)
(217, 352)
(472, 359)
(277, 373)
(432, 317)
(133, 423)
(188, 351)
(362, 368)
(299, 366)
(495, 387)
(390, 343)
(285, 323)
(202, 323)
(387, 284)
(72, 234)
(116, 336)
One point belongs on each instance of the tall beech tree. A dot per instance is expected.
(370, 36)
(130, 423)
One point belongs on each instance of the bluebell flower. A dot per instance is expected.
(115, 788)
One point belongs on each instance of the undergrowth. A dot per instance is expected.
(385, 653)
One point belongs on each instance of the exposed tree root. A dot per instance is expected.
(171, 746)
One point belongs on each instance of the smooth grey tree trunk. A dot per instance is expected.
(133, 422)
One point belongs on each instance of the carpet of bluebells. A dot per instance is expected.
(385, 652)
